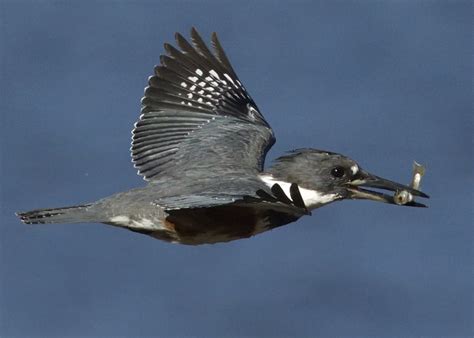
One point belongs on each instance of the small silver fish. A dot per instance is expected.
(403, 197)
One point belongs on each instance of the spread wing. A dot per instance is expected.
(197, 118)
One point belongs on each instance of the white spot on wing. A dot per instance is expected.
(213, 73)
(230, 79)
(193, 78)
(190, 96)
(183, 84)
(199, 72)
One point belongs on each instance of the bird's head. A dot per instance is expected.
(325, 177)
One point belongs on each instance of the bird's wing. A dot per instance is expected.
(243, 192)
(197, 118)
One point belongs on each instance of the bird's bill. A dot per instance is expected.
(366, 180)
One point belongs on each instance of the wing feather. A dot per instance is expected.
(221, 56)
(196, 113)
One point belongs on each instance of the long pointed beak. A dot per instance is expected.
(366, 180)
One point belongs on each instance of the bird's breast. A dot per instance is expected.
(217, 224)
(205, 225)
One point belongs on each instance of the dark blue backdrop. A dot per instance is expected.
(383, 82)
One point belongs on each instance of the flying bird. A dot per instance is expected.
(200, 143)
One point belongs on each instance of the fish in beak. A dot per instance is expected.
(403, 194)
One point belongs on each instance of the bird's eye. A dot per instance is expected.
(338, 172)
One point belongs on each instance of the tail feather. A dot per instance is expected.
(73, 214)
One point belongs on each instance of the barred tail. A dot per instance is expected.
(73, 214)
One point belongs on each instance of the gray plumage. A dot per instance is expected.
(201, 143)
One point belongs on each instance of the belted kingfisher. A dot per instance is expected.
(201, 143)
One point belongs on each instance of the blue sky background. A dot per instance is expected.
(384, 82)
